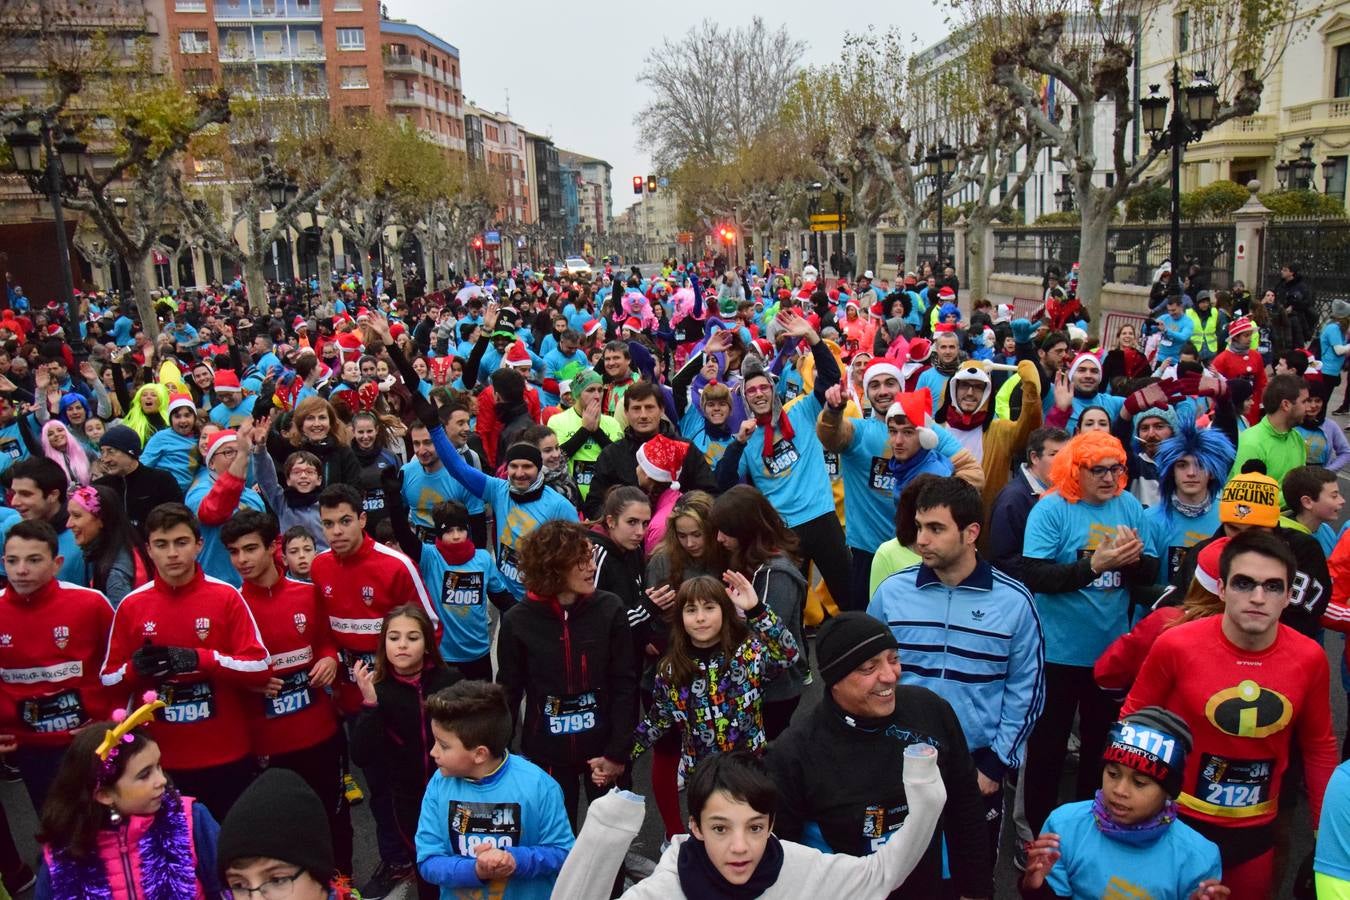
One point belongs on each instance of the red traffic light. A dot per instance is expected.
(637, 184)
(728, 235)
(478, 243)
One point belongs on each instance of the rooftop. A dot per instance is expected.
(404, 28)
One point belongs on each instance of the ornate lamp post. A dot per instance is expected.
(940, 166)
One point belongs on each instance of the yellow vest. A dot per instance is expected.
(1205, 336)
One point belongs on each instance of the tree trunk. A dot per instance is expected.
(911, 246)
(140, 288)
(255, 283)
(976, 278)
(367, 279)
(396, 254)
(1092, 254)
(326, 265)
(864, 237)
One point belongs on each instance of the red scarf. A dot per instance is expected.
(784, 425)
(966, 421)
(456, 554)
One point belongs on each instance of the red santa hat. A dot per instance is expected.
(946, 293)
(227, 380)
(1003, 313)
(181, 401)
(920, 349)
(662, 458)
(784, 294)
(1079, 360)
(591, 327)
(764, 346)
(216, 440)
(298, 323)
(916, 408)
(396, 330)
(362, 313)
(632, 323)
(1207, 565)
(517, 357)
(879, 367)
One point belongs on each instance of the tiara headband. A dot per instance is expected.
(115, 737)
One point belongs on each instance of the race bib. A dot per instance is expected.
(494, 824)
(294, 696)
(793, 390)
(879, 476)
(462, 589)
(509, 563)
(1235, 787)
(11, 448)
(783, 458)
(1174, 557)
(53, 714)
(374, 500)
(188, 703)
(350, 658)
(1109, 580)
(574, 714)
(880, 822)
(583, 473)
(832, 465)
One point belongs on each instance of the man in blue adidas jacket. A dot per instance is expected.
(969, 633)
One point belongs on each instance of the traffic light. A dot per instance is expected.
(651, 184)
(637, 184)
(478, 243)
(728, 235)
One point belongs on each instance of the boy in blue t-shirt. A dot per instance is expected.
(1128, 841)
(491, 822)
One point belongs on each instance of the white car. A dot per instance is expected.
(576, 265)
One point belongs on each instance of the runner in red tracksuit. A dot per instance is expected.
(52, 638)
(294, 724)
(1247, 686)
(357, 581)
(193, 639)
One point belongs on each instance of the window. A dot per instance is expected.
(307, 43)
(347, 6)
(189, 6)
(1335, 186)
(354, 77)
(1342, 86)
(1183, 21)
(351, 38)
(194, 79)
(194, 42)
(354, 113)
(304, 6)
(272, 43)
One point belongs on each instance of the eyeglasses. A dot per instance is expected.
(1241, 584)
(1102, 471)
(758, 389)
(278, 887)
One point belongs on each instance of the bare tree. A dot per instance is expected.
(1089, 50)
(715, 90)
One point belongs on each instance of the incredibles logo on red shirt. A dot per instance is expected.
(1249, 710)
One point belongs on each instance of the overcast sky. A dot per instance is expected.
(571, 69)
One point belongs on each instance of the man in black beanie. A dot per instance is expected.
(276, 836)
(141, 487)
(839, 768)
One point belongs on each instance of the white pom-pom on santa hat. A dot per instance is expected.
(916, 407)
(662, 458)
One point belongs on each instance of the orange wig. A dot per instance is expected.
(1085, 450)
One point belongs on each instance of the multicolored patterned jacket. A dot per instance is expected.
(719, 710)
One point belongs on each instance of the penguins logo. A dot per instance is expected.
(1249, 710)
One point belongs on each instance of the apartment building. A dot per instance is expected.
(422, 82)
(498, 144)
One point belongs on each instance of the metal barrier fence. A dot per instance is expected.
(893, 248)
(1321, 250)
(1133, 252)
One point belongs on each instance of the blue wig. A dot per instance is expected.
(1210, 447)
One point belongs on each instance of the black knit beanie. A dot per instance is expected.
(1154, 741)
(522, 450)
(847, 641)
(278, 817)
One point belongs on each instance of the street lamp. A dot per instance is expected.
(940, 166)
(1282, 173)
(1200, 100)
(813, 206)
(29, 137)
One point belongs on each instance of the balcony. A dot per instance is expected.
(400, 62)
(1319, 114)
(403, 96)
(277, 55)
(269, 10)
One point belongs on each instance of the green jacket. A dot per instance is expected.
(1280, 452)
(582, 451)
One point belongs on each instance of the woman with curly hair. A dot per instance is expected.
(567, 652)
(1087, 543)
(315, 426)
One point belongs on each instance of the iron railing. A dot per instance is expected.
(1133, 252)
(1321, 250)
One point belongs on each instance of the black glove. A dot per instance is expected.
(426, 412)
(391, 480)
(152, 661)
